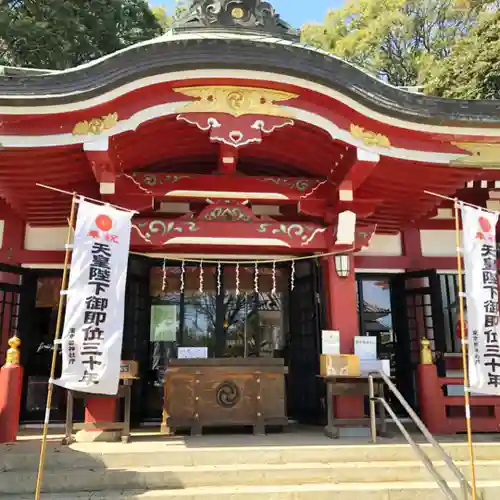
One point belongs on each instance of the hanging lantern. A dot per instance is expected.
(342, 265)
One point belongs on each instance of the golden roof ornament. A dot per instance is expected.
(485, 154)
(370, 138)
(13, 354)
(96, 126)
(236, 101)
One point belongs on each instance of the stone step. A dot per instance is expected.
(489, 490)
(174, 478)
(168, 453)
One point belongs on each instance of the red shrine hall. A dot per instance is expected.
(280, 192)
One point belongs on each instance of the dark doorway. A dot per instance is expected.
(305, 391)
(417, 313)
(37, 325)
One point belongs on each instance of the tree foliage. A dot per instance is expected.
(58, 34)
(397, 40)
(164, 20)
(473, 69)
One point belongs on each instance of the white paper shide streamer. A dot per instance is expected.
(481, 286)
(164, 277)
(201, 277)
(183, 273)
(273, 291)
(219, 278)
(93, 326)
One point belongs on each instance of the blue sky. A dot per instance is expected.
(295, 12)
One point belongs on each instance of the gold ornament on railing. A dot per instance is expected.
(13, 354)
(425, 352)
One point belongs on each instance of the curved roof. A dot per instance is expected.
(212, 50)
(342, 116)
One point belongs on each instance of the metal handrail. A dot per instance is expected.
(464, 484)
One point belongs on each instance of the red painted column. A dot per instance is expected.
(13, 236)
(412, 248)
(343, 315)
(11, 385)
(104, 410)
(101, 409)
(12, 243)
(430, 400)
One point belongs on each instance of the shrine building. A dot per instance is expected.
(241, 149)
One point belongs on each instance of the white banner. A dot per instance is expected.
(93, 327)
(481, 286)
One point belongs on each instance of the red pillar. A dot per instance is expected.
(343, 316)
(11, 246)
(430, 400)
(11, 385)
(100, 410)
(103, 410)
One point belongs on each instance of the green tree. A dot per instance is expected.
(164, 20)
(473, 69)
(58, 34)
(396, 40)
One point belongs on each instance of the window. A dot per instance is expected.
(229, 324)
(449, 293)
(375, 314)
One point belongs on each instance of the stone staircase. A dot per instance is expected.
(290, 466)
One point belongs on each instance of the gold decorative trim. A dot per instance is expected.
(370, 138)
(482, 154)
(96, 126)
(236, 101)
(13, 354)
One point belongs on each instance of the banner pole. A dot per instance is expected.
(57, 335)
(464, 353)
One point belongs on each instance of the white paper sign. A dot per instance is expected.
(93, 327)
(330, 342)
(365, 347)
(481, 284)
(192, 352)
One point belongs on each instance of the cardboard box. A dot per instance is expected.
(346, 365)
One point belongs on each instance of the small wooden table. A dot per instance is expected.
(128, 373)
(342, 385)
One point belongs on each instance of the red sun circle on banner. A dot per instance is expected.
(103, 222)
(485, 225)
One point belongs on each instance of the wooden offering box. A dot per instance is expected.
(224, 392)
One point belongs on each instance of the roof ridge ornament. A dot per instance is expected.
(225, 15)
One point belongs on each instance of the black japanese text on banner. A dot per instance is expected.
(93, 326)
(481, 285)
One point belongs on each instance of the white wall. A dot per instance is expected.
(45, 238)
(438, 243)
(383, 245)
